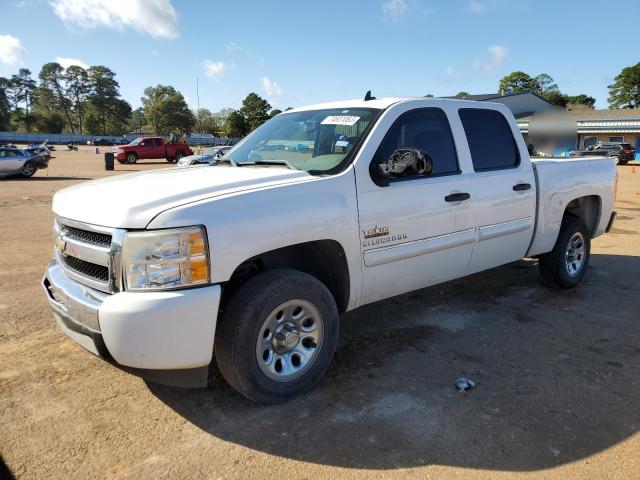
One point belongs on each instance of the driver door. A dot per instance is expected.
(417, 231)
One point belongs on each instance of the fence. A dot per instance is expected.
(64, 138)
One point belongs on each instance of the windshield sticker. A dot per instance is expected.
(347, 120)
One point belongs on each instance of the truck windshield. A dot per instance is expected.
(136, 141)
(314, 140)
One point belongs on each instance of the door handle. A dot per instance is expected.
(520, 187)
(457, 197)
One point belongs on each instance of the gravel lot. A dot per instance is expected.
(557, 377)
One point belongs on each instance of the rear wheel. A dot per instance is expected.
(616, 158)
(277, 336)
(131, 158)
(566, 265)
(28, 169)
(178, 156)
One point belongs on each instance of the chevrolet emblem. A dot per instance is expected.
(60, 244)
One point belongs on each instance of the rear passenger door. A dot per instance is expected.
(502, 189)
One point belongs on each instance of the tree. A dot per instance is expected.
(52, 78)
(274, 112)
(167, 110)
(5, 105)
(119, 117)
(138, 119)
(581, 99)
(462, 95)
(255, 111)
(22, 88)
(624, 92)
(78, 87)
(517, 82)
(556, 98)
(103, 93)
(544, 84)
(235, 125)
(206, 122)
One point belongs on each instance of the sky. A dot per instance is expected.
(296, 53)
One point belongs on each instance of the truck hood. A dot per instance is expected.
(133, 200)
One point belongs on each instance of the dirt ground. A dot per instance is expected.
(557, 376)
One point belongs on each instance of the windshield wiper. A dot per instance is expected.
(269, 162)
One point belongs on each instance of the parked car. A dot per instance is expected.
(209, 155)
(622, 153)
(24, 162)
(249, 263)
(152, 147)
(103, 142)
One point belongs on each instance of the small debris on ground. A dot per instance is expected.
(464, 384)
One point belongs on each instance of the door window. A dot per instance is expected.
(157, 142)
(589, 142)
(426, 129)
(490, 139)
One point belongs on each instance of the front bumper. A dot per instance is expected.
(166, 337)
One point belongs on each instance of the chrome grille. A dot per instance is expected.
(89, 254)
(89, 269)
(87, 236)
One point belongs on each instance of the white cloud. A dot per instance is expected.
(213, 70)
(157, 18)
(449, 71)
(11, 50)
(475, 6)
(66, 62)
(394, 10)
(233, 47)
(272, 88)
(498, 54)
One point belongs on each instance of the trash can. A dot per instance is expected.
(108, 161)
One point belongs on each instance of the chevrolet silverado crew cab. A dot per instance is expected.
(249, 262)
(152, 147)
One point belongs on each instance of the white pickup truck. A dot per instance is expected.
(250, 262)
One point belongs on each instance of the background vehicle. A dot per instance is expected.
(622, 153)
(106, 142)
(152, 147)
(209, 155)
(16, 161)
(320, 210)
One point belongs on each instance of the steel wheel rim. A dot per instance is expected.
(289, 340)
(575, 254)
(28, 169)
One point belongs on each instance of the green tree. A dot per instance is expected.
(22, 88)
(5, 105)
(52, 78)
(119, 117)
(103, 93)
(517, 82)
(206, 122)
(544, 84)
(556, 98)
(138, 119)
(624, 92)
(462, 95)
(235, 125)
(581, 99)
(274, 112)
(78, 88)
(167, 110)
(48, 122)
(255, 111)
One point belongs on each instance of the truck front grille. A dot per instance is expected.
(88, 269)
(102, 239)
(89, 254)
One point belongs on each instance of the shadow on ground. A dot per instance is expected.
(556, 375)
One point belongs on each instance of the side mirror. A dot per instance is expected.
(406, 162)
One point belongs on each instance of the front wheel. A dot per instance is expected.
(277, 336)
(28, 169)
(131, 158)
(565, 266)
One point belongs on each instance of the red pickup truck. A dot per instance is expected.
(152, 147)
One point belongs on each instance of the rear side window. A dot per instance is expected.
(427, 129)
(490, 139)
(157, 142)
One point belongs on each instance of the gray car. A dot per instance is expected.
(17, 161)
(208, 156)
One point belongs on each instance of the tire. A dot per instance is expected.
(260, 327)
(28, 169)
(178, 156)
(623, 162)
(616, 158)
(565, 267)
(131, 158)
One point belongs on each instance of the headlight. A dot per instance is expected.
(165, 259)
